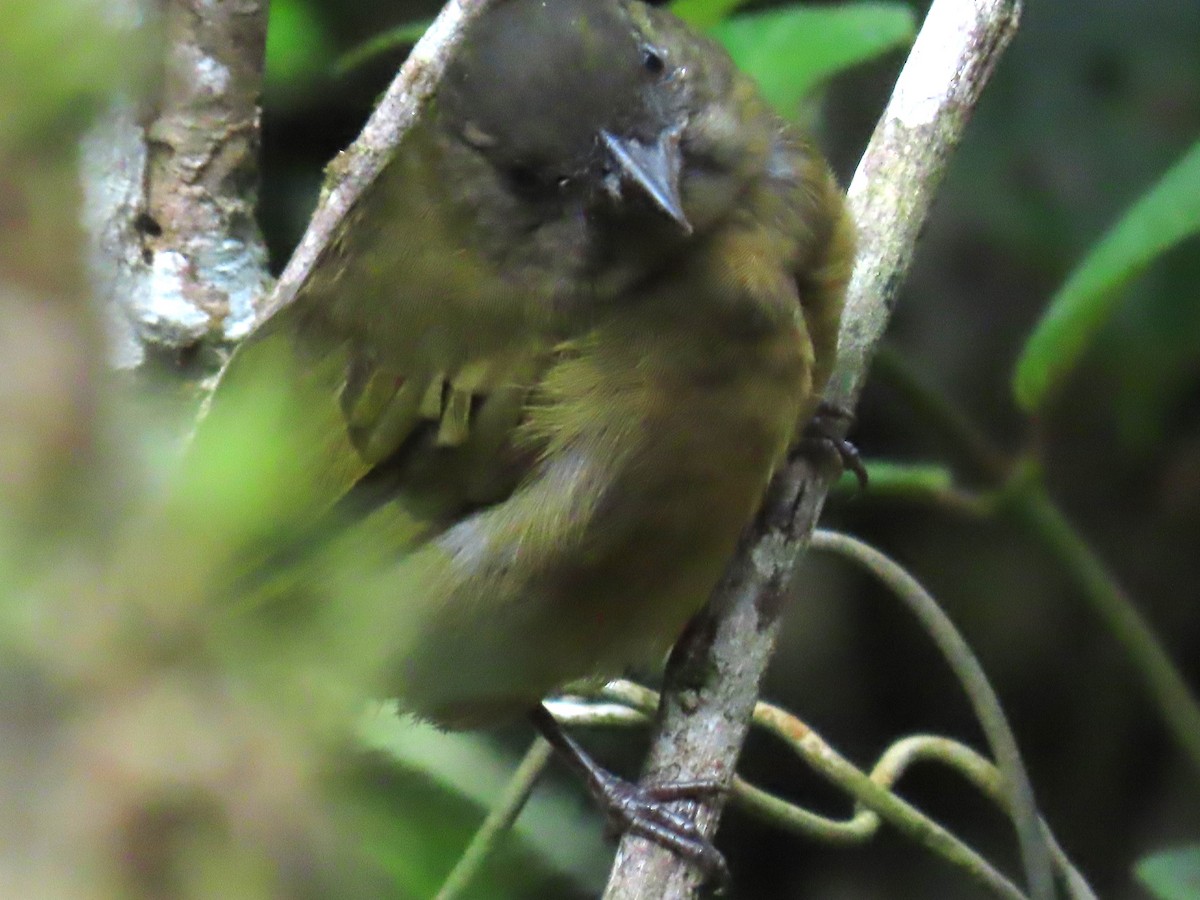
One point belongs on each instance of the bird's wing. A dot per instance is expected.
(824, 253)
(402, 368)
(362, 432)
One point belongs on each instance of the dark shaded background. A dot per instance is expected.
(1094, 101)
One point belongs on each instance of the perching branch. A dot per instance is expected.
(170, 202)
(716, 669)
(626, 703)
(356, 167)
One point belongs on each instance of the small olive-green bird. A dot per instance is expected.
(557, 350)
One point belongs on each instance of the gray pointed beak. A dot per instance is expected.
(654, 168)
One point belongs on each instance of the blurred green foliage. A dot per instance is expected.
(1172, 874)
(299, 49)
(793, 50)
(1091, 106)
(790, 51)
(41, 86)
(440, 782)
(1166, 215)
(706, 13)
(113, 664)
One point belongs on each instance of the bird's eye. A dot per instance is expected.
(524, 178)
(652, 61)
(535, 182)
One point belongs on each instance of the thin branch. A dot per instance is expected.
(1018, 491)
(631, 704)
(178, 257)
(986, 777)
(891, 766)
(876, 797)
(1167, 687)
(354, 169)
(986, 705)
(925, 483)
(498, 821)
(958, 431)
(716, 669)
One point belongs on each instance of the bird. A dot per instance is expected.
(546, 367)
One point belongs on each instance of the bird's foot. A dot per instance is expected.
(822, 438)
(647, 812)
(642, 810)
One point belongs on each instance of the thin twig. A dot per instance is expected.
(879, 799)
(873, 795)
(961, 434)
(1018, 491)
(986, 777)
(354, 169)
(1170, 692)
(716, 670)
(894, 762)
(498, 821)
(988, 712)
(873, 792)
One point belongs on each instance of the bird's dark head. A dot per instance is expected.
(609, 110)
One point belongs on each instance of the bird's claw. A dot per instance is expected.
(822, 438)
(645, 811)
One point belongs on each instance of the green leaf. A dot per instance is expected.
(1162, 218)
(564, 836)
(1171, 874)
(400, 36)
(898, 479)
(1148, 351)
(792, 50)
(298, 49)
(705, 13)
